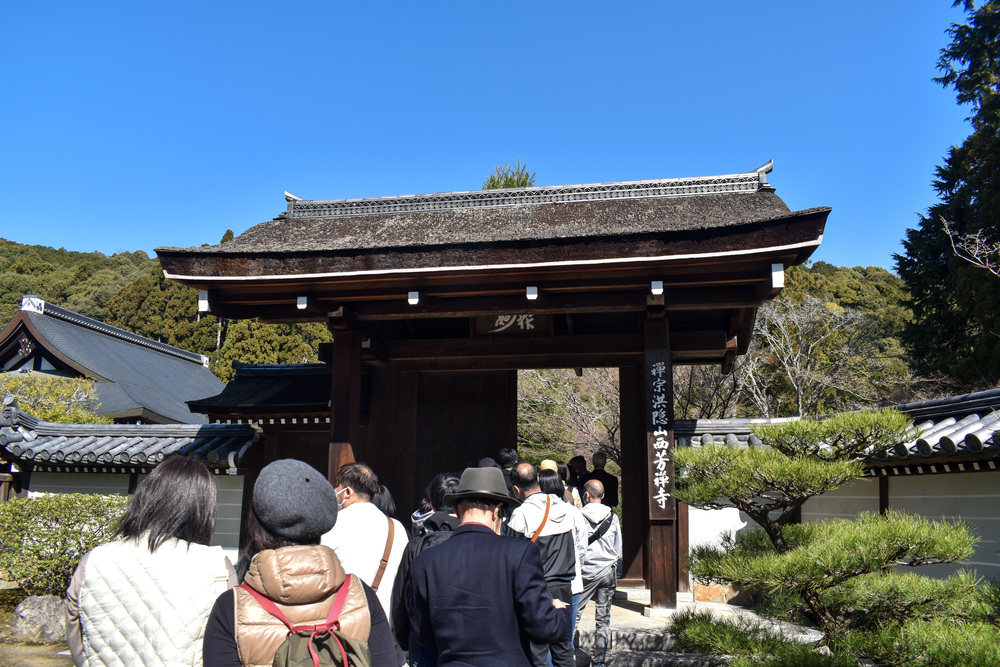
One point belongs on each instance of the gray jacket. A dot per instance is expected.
(604, 552)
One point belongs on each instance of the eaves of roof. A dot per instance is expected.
(28, 440)
(272, 389)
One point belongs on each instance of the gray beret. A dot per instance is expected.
(294, 500)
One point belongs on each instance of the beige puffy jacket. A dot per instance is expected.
(302, 581)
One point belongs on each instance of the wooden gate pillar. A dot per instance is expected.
(635, 526)
(663, 545)
(345, 398)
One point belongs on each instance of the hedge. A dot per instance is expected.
(43, 538)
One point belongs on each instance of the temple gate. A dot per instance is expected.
(436, 301)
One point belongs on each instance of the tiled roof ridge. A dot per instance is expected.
(970, 402)
(37, 305)
(969, 433)
(48, 443)
(748, 182)
(245, 369)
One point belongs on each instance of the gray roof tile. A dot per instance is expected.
(28, 440)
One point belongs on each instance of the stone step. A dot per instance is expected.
(618, 658)
(628, 639)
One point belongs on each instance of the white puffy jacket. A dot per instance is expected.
(142, 608)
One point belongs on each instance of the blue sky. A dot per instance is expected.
(133, 125)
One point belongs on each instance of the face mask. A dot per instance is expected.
(340, 503)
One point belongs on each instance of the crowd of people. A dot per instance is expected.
(496, 568)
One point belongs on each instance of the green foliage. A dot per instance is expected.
(53, 398)
(956, 305)
(747, 640)
(164, 311)
(252, 341)
(802, 458)
(940, 642)
(509, 176)
(839, 567)
(836, 574)
(83, 282)
(43, 538)
(702, 632)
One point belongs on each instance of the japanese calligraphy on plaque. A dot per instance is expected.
(513, 324)
(659, 436)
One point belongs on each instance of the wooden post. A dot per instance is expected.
(659, 411)
(345, 399)
(635, 517)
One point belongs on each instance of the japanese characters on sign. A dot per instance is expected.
(659, 430)
(513, 324)
(522, 322)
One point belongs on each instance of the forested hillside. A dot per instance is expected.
(84, 282)
(128, 290)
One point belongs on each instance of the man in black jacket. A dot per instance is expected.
(609, 481)
(437, 528)
(479, 598)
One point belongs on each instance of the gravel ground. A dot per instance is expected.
(25, 655)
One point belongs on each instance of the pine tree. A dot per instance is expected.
(829, 569)
(956, 305)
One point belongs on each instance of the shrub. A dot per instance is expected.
(937, 643)
(748, 641)
(43, 538)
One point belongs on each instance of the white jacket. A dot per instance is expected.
(563, 538)
(359, 539)
(141, 608)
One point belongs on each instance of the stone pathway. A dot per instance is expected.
(640, 636)
(25, 655)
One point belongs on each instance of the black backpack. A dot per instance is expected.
(316, 645)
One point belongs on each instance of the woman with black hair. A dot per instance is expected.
(283, 561)
(144, 599)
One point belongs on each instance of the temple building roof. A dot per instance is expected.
(47, 446)
(585, 261)
(137, 379)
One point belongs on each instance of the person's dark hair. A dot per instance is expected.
(359, 477)
(507, 457)
(563, 470)
(443, 483)
(384, 501)
(600, 459)
(177, 499)
(260, 539)
(488, 462)
(549, 482)
(524, 476)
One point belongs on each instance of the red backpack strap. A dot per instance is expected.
(332, 619)
(268, 606)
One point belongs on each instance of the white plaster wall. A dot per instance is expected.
(55, 482)
(972, 497)
(708, 526)
(227, 525)
(844, 503)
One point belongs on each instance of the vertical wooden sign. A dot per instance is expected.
(659, 413)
